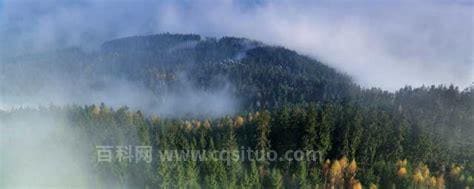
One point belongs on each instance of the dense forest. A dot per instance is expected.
(410, 138)
(258, 75)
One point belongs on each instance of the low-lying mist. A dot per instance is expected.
(41, 150)
(117, 92)
(47, 82)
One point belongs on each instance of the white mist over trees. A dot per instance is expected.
(42, 150)
(428, 42)
(152, 79)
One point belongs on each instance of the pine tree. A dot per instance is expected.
(302, 175)
(234, 168)
(276, 179)
(310, 128)
(325, 131)
(254, 176)
(356, 134)
(263, 141)
(164, 169)
(192, 171)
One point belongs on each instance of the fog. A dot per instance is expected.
(38, 85)
(41, 151)
(383, 44)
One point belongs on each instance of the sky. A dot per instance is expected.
(386, 44)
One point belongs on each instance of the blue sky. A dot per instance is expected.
(384, 43)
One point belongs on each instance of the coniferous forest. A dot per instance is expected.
(414, 137)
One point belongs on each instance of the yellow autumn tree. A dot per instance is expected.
(356, 184)
(373, 186)
(455, 171)
(326, 168)
(336, 177)
(187, 125)
(343, 162)
(402, 172)
(207, 124)
(239, 121)
(418, 177)
(352, 168)
(440, 182)
(95, 110)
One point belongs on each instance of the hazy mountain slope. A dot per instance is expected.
(253, 74)
(261, 75)
(178, 75)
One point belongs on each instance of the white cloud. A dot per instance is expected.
(380, 43)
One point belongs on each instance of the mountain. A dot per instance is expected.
(259, 75)
(265, 76)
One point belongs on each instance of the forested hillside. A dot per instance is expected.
(355, 145)
(250, 95)
(259, 76)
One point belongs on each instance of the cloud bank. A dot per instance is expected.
(42, 150)
(43, 85)
(379, 43)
